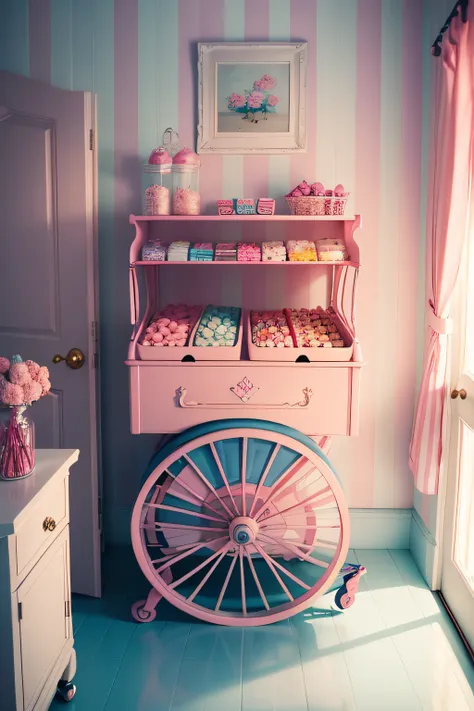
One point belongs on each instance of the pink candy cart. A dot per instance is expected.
(241, 519)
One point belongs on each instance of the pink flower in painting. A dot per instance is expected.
(32, 391)
(273, 100)
(13, 394)
(19, 374)
(265, 83)
(236, 101)
(255, 100)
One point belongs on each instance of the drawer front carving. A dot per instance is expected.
(313, 400)
(41, 527)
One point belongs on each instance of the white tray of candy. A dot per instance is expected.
(303, 353)
(204, 345)
(189, 351)
(182, 316)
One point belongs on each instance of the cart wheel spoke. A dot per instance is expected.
(181, 556)
(199, 567)
(290, 575)
(178, 549)
(243, 476)
(285, 482)
(296, 552)
(305, 502)
(272, 567)
(224, 477)
(226, 583)
(242, 581)
(186, 512)
(207, 483)
(261, 482)
(196, 495)
(257, 581)
(210, 572)
(160, 525)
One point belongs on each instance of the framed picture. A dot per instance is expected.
(252, 97)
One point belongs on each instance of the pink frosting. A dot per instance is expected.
(187, 157)
(159, 156)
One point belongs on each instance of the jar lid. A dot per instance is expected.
(159, 156)
(187, 157)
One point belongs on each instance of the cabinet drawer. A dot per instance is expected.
(314, 400)
(32, 538)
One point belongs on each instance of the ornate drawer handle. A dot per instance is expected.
(49, 524)
(181, 393)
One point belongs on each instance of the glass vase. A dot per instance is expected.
(17, 444)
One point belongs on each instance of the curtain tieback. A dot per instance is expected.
(443, 326)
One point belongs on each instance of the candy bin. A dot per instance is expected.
(186, 198)
(157, 183)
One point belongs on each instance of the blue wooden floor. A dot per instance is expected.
(394, 650)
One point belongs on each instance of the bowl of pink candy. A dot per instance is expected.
(314, 199)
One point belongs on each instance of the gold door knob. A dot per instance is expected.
(49, 524)
(462, 394)
(75, 359)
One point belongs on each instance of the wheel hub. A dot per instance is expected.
(243, 530)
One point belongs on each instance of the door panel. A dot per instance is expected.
(47, 289)
(28, 188)
(457, 581)
(463, 549)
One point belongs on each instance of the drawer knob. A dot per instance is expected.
(49, 524)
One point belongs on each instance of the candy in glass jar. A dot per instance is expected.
(186, 198)
(157, 183)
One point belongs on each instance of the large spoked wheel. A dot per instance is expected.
(241, 522)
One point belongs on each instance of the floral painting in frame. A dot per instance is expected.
(252, 97)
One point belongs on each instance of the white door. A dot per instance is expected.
(47, 282)
(457, 573)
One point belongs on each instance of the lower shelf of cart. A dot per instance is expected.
(315, 398)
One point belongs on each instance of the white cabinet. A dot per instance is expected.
(36, 640)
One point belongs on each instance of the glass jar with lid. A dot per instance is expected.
(157, 183)
(186, 198)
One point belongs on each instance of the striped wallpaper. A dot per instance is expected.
(368, 65)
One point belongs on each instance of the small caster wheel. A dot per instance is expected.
(66, 690)
(344, 599)
(141, 615)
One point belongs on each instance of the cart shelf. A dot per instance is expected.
(150, 263)
(240, 218)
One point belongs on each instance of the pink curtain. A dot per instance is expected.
(448, 216)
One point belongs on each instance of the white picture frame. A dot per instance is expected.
(264, 114)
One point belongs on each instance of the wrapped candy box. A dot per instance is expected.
(273, 251)
(301, 251)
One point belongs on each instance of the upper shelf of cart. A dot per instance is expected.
(200, 228)
(243, 218)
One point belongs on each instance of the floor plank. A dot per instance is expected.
(395, 649)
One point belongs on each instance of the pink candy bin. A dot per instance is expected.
(290, 355)
(198, 353)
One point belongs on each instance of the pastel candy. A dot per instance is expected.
(171, 325)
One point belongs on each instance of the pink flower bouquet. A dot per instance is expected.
(21, 384)
(257, 99)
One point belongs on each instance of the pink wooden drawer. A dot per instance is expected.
(315, 399)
